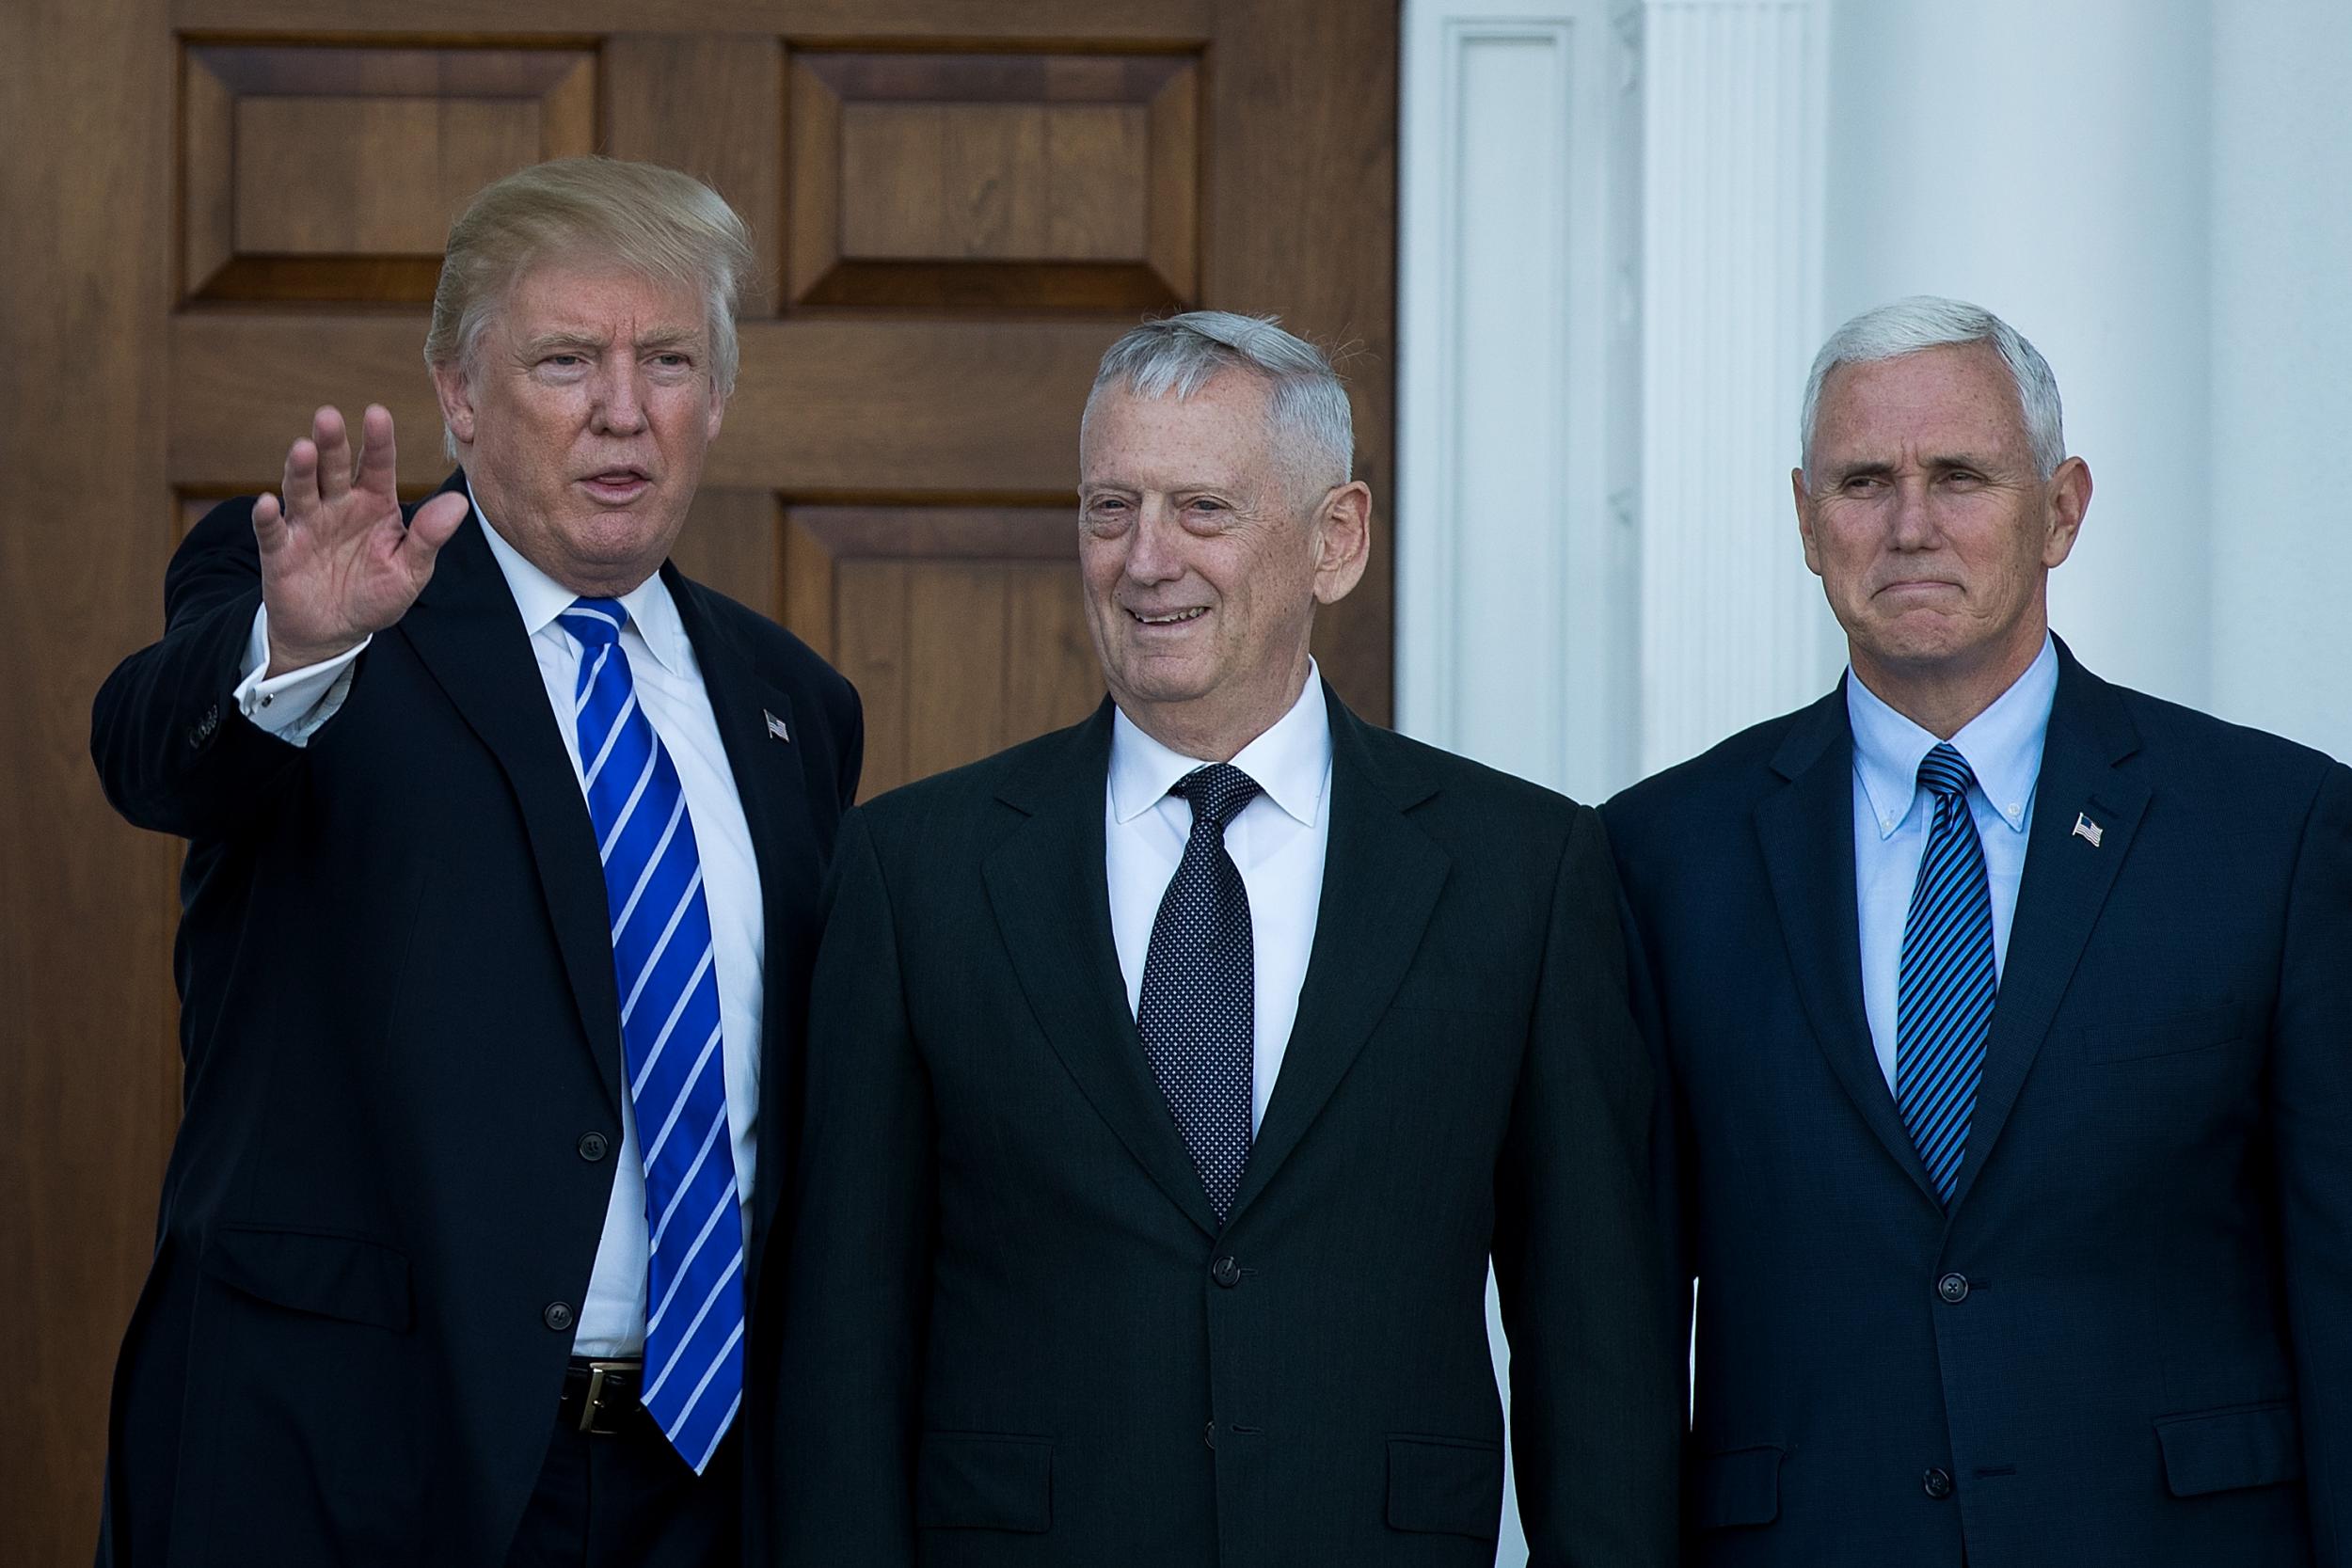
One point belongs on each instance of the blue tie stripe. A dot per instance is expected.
(663, 962)
(1947, 983)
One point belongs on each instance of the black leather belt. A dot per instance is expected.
(600, 1395)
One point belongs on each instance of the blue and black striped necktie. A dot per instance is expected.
(663, 960)
(1946, 984)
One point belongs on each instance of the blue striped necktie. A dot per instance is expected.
(1946, 985)
(662, 959)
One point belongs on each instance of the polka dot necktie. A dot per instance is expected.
(1945, 985)
(1198, 1011)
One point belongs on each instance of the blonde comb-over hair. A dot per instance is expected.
(641, 217)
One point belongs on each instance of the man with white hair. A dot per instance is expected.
(2004, 1014)
(1173, 1078)
(504, 853)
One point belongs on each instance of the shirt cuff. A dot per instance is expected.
(293, 705)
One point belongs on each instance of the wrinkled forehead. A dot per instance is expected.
(1957, 397)
(1225, 425)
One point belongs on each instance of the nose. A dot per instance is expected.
(1914, 517)
(619, 408)
(1153, 557)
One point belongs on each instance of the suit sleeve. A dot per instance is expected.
(174, 753)
(2312, 1111)
(1595, 1377)
(857, 1291)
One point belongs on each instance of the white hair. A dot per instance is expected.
(1307, 405)
(1929, 321)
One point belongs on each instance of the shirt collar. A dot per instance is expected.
(2002, 745)
(540, 599)
(1291, 761)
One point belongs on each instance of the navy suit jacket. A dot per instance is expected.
(2128, 1344)
(402, 1060)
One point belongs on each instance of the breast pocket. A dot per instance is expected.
(2179, 1032)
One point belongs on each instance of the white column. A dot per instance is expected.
(2281, 242)
(1732, 625)
(2050, 163)
(1516, 322)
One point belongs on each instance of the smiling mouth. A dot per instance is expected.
(1170, 618)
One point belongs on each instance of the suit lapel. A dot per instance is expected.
(1806, 831)
(772, 789)
(1047, 886)
(467, 633)
(1381, 876)
(2065, 883)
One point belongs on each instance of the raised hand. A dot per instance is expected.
(336, 565)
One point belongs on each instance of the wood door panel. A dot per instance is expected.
(957, 207)
(416, 132)
(962, 626)
(1016, 180)
(821, 406)
(932, 22)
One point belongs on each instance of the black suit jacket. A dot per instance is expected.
(1016, 1332)
(402, 1060)
(2129, 1343)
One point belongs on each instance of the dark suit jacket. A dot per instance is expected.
(400, 1025)
(1016, 1332)
(2129, 1344)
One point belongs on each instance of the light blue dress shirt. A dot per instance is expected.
(2002, 746)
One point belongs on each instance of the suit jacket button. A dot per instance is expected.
(1226, 1272)
(558, 1316)
(1208, 1434)
(1953, 1287)
(593, 1146)
(1938, 1484)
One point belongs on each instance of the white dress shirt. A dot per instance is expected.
(1277, 841)
(669, 686)
(2002, 746)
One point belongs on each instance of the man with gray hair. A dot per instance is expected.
(2004, 1014)
(1173, 1078)
(504, 849)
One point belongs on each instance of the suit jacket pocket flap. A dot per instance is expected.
(1739, 1487)
(333, 1276)
(984, 1480)
(2172, 1033)
(2224, 1449)
(1445, 1487)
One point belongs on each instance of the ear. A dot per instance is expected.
(455, 389)
(1805, 521)
(1342, 541)
(2070, 498)
(717, 413)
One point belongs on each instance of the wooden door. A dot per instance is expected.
(216, 214)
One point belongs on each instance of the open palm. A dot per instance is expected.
(338, 564)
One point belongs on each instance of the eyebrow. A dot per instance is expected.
(662, 338)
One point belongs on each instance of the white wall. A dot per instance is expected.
(2282, 352)
(1627, 224)
(2047, 159)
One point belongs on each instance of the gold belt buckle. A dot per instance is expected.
(592, 1404)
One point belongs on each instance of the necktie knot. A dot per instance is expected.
(1217, 793)
(1945, 771)
(594, 623)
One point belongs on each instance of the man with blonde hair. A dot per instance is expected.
(505, 843)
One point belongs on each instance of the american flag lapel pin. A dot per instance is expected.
(2086, 828)
(777, 727)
